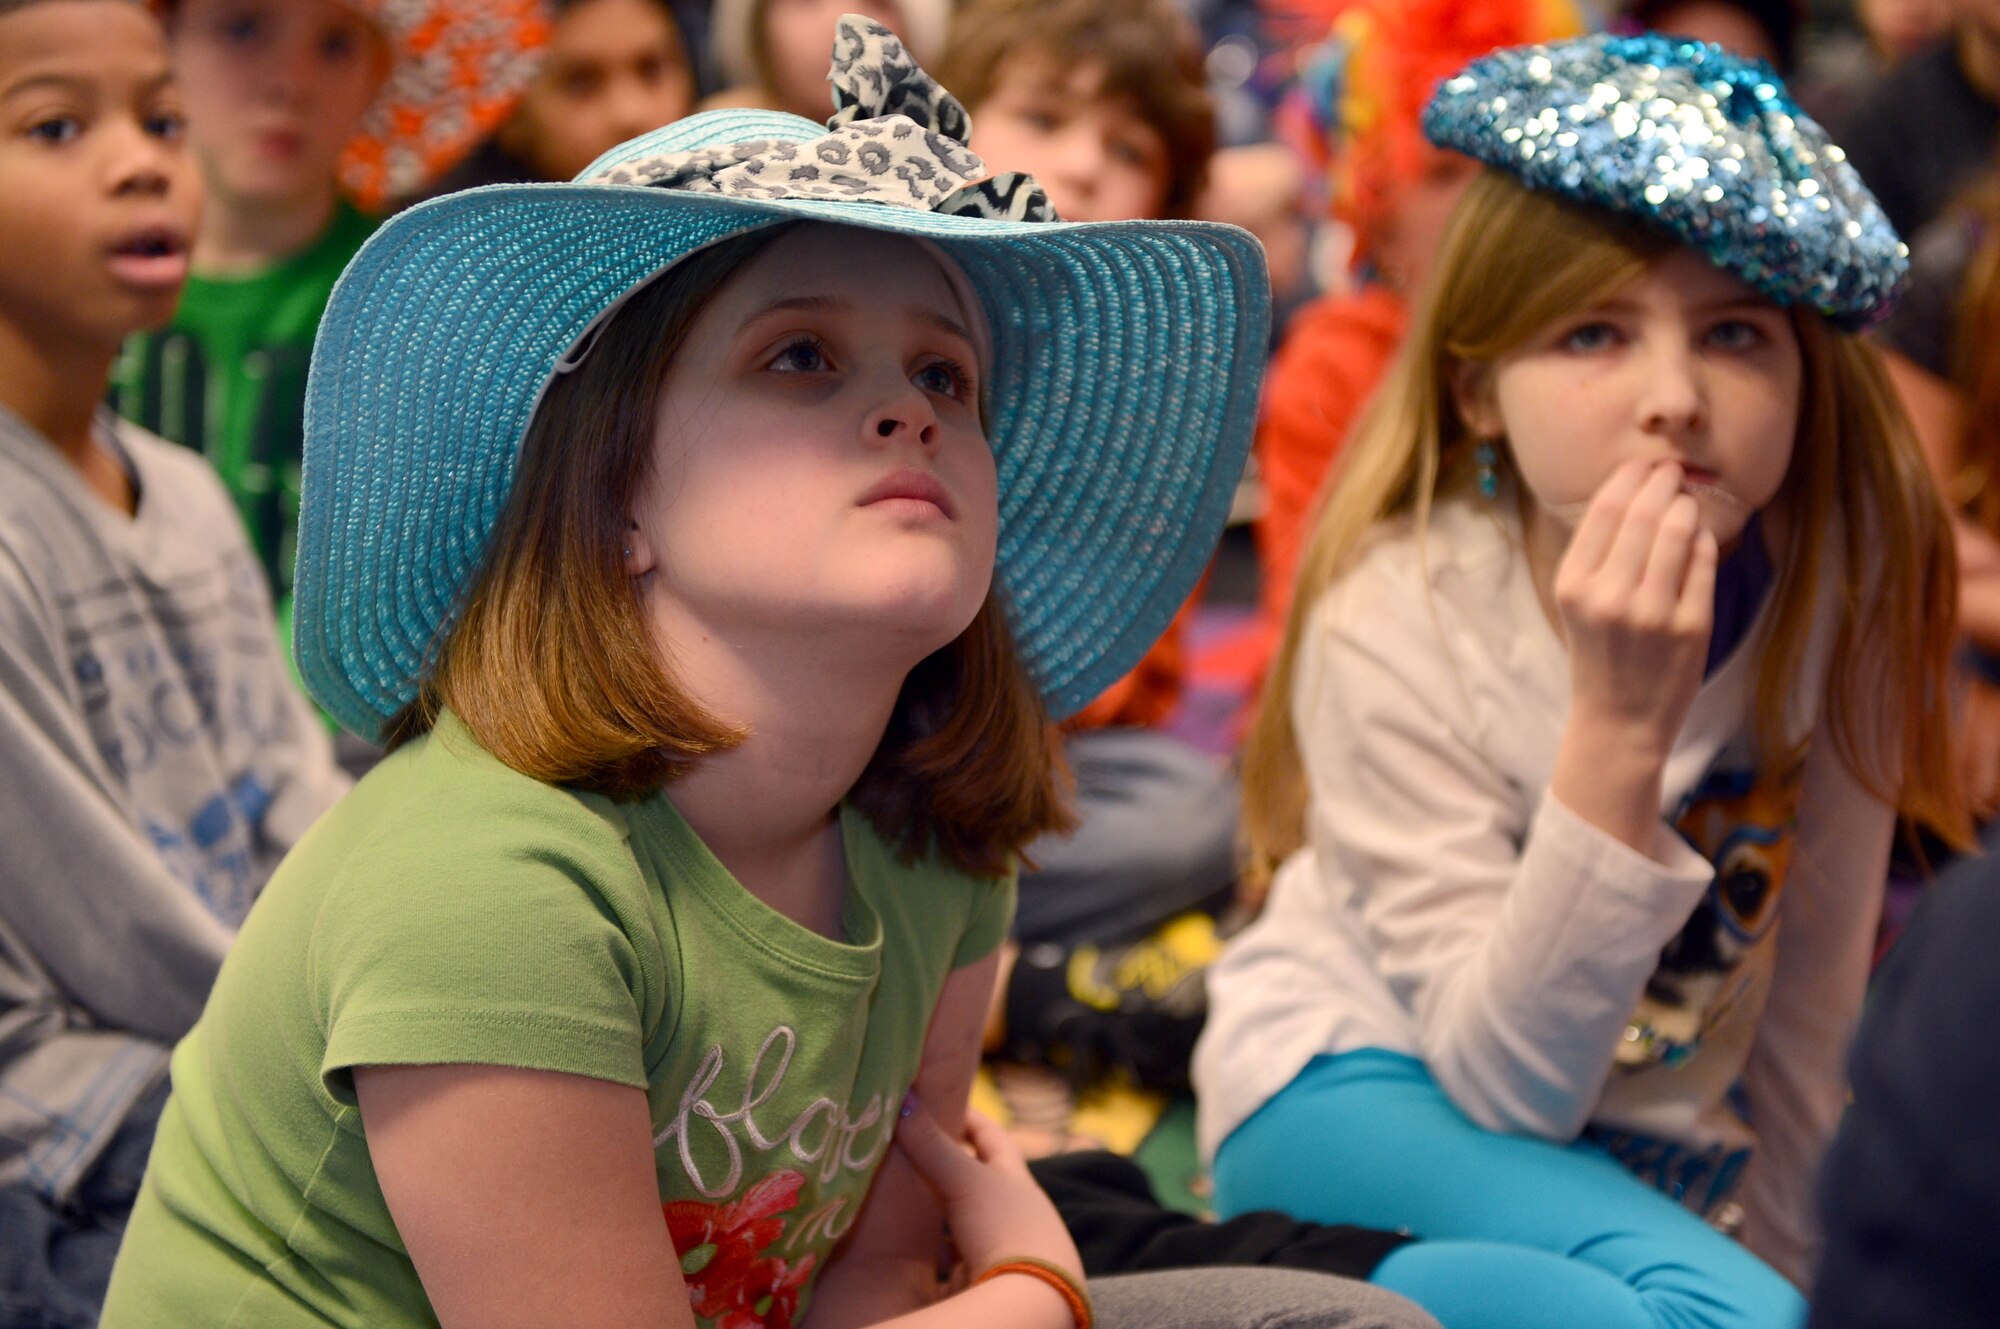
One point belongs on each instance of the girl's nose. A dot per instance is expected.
(635, 106)
(1079, 161)
(904, 417)
(289, 74)
(1672, 399)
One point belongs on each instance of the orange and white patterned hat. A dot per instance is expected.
(457, 67)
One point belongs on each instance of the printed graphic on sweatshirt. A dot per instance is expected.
(159, 678)
(1700, 1177)
(1743, 821)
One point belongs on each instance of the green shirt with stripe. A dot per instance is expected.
(227, 377)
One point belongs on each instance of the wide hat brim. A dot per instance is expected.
(1126, 363)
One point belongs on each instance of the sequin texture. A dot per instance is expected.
(1685, 135)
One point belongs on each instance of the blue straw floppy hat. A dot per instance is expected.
(1126, 358)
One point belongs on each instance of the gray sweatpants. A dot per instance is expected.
(1257, 1297)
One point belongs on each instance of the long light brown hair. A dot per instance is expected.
(1855, 470)
(553, 666)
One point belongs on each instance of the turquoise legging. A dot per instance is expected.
(1517, 1233)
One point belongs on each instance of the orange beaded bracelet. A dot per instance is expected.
(1062, 1280)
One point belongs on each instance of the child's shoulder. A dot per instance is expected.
(440, 826)
(444, 796)
(46, 508)
(1457, 565)
(169, 470)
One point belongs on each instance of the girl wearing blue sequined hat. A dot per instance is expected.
(1618, 648)
(711, 539)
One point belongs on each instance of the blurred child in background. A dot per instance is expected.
(303, 114)
(1923, 130)
(613, 69)
(158, 760)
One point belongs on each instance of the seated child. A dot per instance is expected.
(302, 113)
(717, 660)
(1104, 104)
(158, 759)
(1620, 645)
(613, 69)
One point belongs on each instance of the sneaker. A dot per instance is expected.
(1134, 1009)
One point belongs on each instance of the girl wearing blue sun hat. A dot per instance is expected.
(1618, 648)
(711, 541)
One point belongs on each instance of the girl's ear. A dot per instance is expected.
(638, 551)
(1472, 393)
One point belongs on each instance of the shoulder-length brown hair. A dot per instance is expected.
(1855, 470)
(552, 662)
(1146, 50)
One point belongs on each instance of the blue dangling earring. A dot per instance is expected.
(1486, 459)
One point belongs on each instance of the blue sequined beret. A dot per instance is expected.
(1687, 136)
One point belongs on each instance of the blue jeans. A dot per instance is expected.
(1517, 1233)
(55, 1263)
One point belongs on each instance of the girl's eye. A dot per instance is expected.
(1735, 335)
(1039, 120)
(1590, 337)
(56, 130)
(945, 377)
(804, 356)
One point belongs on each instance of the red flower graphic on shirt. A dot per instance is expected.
(730, 1279)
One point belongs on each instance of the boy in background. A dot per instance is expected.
(302, 114)
(158, 760)
(613, 70)
(1103, 102)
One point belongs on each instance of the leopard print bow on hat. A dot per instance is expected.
(895, 137)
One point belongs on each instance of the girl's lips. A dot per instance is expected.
(908, 488)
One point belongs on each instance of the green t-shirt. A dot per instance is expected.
(228, 378)
(453, 910)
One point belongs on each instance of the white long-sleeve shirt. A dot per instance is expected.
(1446, 908)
